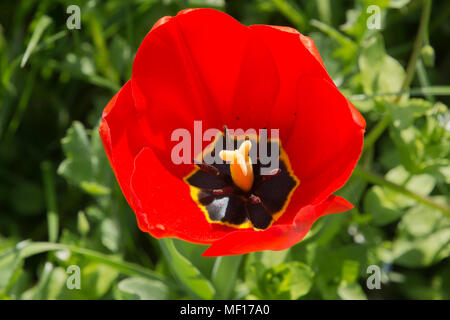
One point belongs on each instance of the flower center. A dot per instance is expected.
(241, 167)
(246, 191)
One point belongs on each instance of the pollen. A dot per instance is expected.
(241, 167)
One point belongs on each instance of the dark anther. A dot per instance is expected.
(254, 199)
(219, 192)
(208, 169)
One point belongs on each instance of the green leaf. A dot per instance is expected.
(85, 163)
(136, 288)
(346, 49)
(382, 204)
(76, 146)
(350, 271)
(409, 148)
(301, 279)
(337, 264)
(421, 221)
(386, 205)
(110, 234)
(405, 112)
(224, 275)
(269, 277)
(421, 184)
(422, 252)
(423, 236)
(97, 279)
(82, 224)
(351, 291)
(193, 252)
(420, 147)
(379, 71)
(290, 280)
(188, 276)
(94, 188)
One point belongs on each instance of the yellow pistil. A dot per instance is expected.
(241, 165)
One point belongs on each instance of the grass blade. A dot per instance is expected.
(42, 24)
(28, 248)
(50, 199)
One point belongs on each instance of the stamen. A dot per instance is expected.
(254, 199)
(208, 168)
(241, 165)
(226, 190)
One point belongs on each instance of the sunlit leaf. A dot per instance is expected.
(142, 289)
(188, 276)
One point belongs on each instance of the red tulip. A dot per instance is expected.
(204, 65)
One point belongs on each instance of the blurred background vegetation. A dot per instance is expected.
(61, 206)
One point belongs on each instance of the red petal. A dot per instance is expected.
(277, 237)
(201, 65)
(164, 206)
(309, 44)
(160, 22)
(104, 128)
(296, 57)
(325, 144)
(121, 137)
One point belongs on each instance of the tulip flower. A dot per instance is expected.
(203, 65)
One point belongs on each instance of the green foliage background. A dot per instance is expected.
(61, 206)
